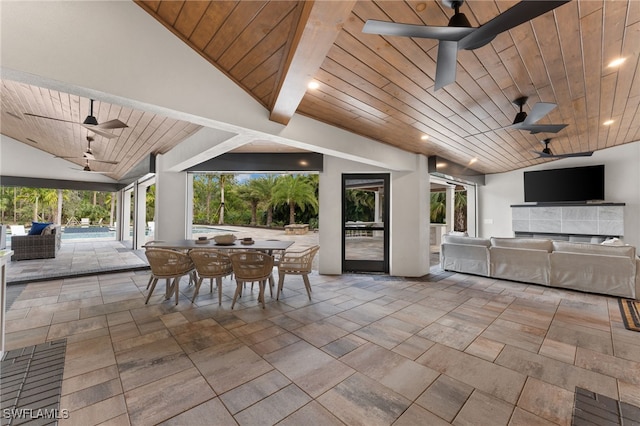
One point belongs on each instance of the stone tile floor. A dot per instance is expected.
(367, 349)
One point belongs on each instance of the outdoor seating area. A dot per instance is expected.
(41, 242)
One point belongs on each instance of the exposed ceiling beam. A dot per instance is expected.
(319, 25)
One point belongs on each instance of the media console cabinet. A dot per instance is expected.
(591, 222)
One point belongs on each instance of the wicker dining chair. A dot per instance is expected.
(251, 266)
(296, 263)
(168, 264)
(210, 264)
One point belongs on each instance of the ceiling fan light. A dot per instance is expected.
(520, 117)
(459, 20)
(547, 151)
(90, 120)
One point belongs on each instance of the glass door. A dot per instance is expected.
(365, 214)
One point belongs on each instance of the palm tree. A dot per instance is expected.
(264, 186)
(460, 211)
(438, 207)
(295, 190)
(360, 205)
(250, 193)
(204, 188)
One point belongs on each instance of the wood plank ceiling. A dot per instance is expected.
(382, 87)
(146, 132)
(379, 87)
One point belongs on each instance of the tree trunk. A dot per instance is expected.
(35, 210)
(59, 212)
(112, 211)
(292, 213)
(15, 205)
(221, 217)
(95, 197)
(254, 213)
(208, 208)
(269, 215)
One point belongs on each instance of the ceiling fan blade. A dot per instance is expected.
(90, 171)
(111, 124)
(541, 128)
(522, 12)
(49, 118)
(420, 31)
(575, 154)
(97, 131)
(447, 63)
(105, 161)
(538, 111)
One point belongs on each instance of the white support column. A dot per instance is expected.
(172, 200)
(125, 219)
(472, 211)
(140, 222)
(410, 206)
(189, 206)
(119, 214)
(451, 200)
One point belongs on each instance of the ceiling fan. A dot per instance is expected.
(88, 154)
(459, 34)
(91, 123)
(546, 152)
(87, 168)
(528, 122)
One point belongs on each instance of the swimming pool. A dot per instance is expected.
(84, 234)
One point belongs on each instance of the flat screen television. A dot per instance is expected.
(574, 185)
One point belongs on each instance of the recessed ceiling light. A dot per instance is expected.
(616, 62)
(473, 160)
(608, 123)
(313, 85)
(421, 6)
(303, 163)
(424, 137)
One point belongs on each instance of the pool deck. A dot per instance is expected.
(88, 256)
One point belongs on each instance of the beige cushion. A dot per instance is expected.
(523, 243)
(456, 239)
(567, 247)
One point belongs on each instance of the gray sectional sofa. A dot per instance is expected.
(594, 268)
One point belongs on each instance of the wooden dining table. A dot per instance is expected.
(261, 245)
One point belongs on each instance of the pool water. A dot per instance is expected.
(77, 233)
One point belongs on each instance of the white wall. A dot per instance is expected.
(622, 185)
(19, 159)
(409, 216)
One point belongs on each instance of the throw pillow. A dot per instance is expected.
(48, 230)
(38, 227)
(612, 242)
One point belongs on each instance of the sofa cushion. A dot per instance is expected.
(586, 248)
(49, 229)
(473, 241)
(523, 243)
(38, 227)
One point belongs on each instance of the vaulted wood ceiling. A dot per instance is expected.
(380, 87)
